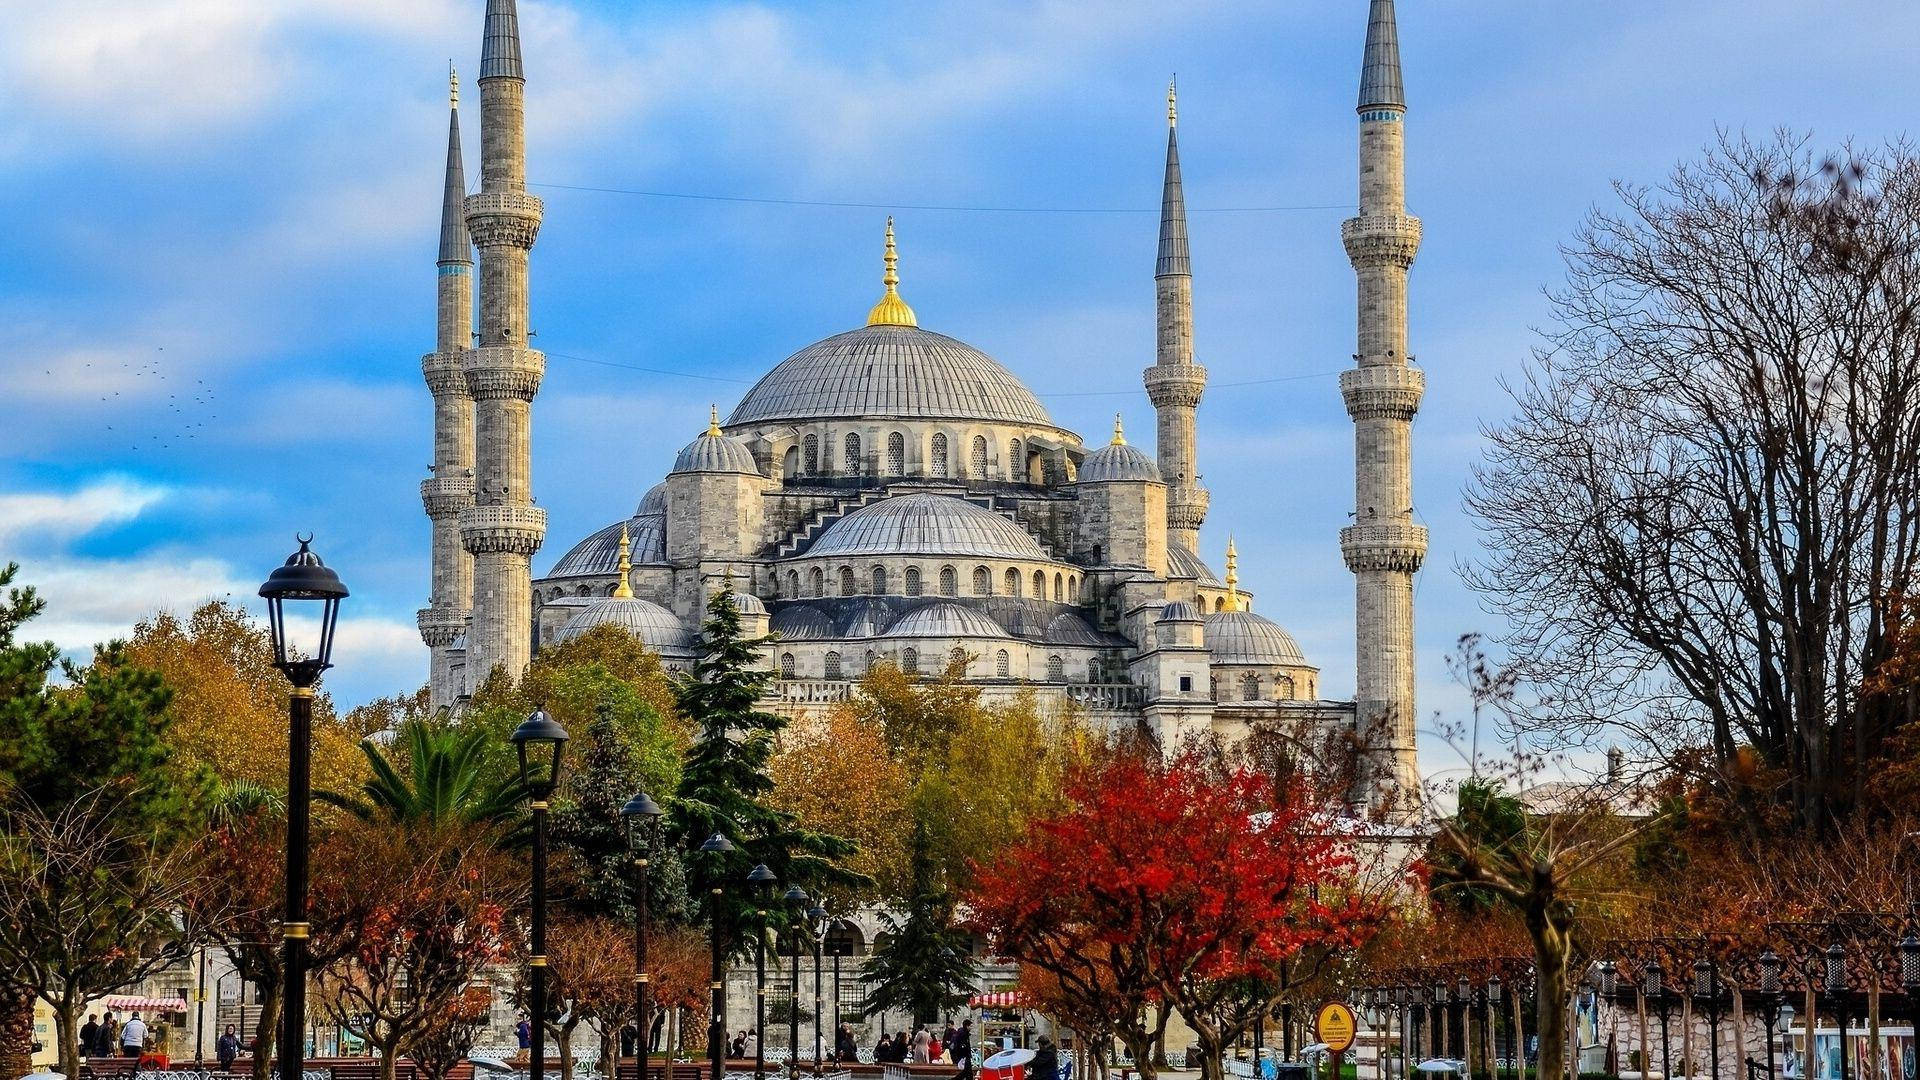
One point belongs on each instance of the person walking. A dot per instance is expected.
(1046, 1061)
(133, 1037)
(523, 1033)
(109, 1042)
(960, 1048)
(845, 1050)
(227, 1049)
(90, 1034)
(922, 1043)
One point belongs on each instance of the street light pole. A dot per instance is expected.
(716, 846)
(302, 578)
(1706, 993)
(640, 814)
(819, 917)
(539, 742)
(1656, 988)
(796, 906)
(761, 880)
(1836, 986)
(1770, 965)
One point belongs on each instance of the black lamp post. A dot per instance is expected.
(1706, 994)
(838, 946)
(640, 814)
(303, 578)
(539, 742)
(1909, 950)
(761, 881)
(1770, 966)
(796, 901)
(1654, 986)
(818, 916)
(1463, 998)
(1836, 987)
(716, 847)
(1494, 1001)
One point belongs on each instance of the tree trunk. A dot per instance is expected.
(1552, 951)
(1142, 1051)
(563, 1042)
(265, 1030)
(389, 1058)
(16, 1031)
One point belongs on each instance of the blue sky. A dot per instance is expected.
(218, 271)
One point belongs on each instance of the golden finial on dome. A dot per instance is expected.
(1119, 436)
(1173, 116)
(1233, 577)
(453, 86)
(891, 310)
(625, 588)
(713, 419)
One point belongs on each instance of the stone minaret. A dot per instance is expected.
(450, 489)
(1175, 382)
(504, 528)
(1383, 547)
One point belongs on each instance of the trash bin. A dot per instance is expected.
(1291, 1070)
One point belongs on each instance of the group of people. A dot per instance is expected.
(110, 1037)
(954, 1046)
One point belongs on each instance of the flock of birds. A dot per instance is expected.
(188, 408)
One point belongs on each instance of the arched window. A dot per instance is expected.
(812, 455)
(1002, 665)
(879, 581)
(1249, 687)
(1219, 603)
(896, 454)
(957, 660)
(939, 466)
(1016, 465)
(949, 582)
(833, 665)
(1056, 669)
(869, 666)
(982, 581)
(793, 584)
(1058, 582)
(913, 581)
(1099, 555)
(1073, 589)
(790, 462)
(786, 665)
(853, 464)
(910, 661)
(979, 465)
(1013, 582)
(816, 582)
(1039, 585)
(1283, 688)
(847, 587)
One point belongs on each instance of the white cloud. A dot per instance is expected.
(49, 516)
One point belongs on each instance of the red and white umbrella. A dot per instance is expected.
(151, 1004)
(999, 999)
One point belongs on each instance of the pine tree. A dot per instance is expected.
(924, 964)
(589, 828)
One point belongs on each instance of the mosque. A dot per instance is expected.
(891, 494)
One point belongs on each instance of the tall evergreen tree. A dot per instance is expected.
(588, 828)
(924, 964)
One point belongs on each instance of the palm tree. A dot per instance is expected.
(445, 780)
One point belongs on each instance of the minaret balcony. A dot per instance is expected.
(516, 530)
(1377, 240)
(446, 495)
(503, 218)
(497, 372)
(1187, 507)
(441, 626)
(1175, 384)
(445, 373)
(1383, 391)
(1397, 548)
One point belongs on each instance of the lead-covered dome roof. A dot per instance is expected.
(715, 453)
(1241, 637)
(944, 619)
(599, 553)
(926, 524)
(890, 371)
(654, 625)
(1118, 461)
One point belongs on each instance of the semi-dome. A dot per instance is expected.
(1182, 563)
(714, 452)
(1241, 637)
(942, 620)
(802, 623)
(927, 524)
(1068, 628)
(654, 625)
(599, 553)
(653, 502)
(1118, 461)
(893, 372)
(748, 604)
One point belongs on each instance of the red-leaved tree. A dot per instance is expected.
(1184, 884)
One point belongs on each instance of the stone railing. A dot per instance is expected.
(1107, 697)
(811, 691)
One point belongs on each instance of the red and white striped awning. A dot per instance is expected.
(151, 1004)
(998, 999)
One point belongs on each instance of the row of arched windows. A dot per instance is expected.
(833, 668)
(1064, 587)
(941, 459)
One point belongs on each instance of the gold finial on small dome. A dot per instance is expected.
(1173, 115)
(624, 590)
(891, 310)
(453, 86)
(1233, 577)
(713, 419)
(1119, 435)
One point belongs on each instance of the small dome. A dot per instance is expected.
(942, 620)
(712, 453)
(653, 502)
(1179, 611)
(599, 553)
(799, 622)
(748, 604)
(1241, 637)
(925, 524)
(1118, 461)
(654, 625)
(1068, 628)
(865, 618)
(1182, 563)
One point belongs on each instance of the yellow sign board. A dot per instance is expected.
(1335, 1026)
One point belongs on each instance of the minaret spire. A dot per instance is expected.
(1175, 382)
(1233, 576)
(891, 310)
(624, 589)
(1384, 546)
(449, 491)
(504, 528)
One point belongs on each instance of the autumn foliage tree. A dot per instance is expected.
(1180, 883)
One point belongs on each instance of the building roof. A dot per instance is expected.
(890, 372)
(1241, 637)
(654, 625)
(1173, 259)
(1118, 461)
(927, 524)
(653, 502)
(1182, 563)
(1068, 628)
(599, 553)
(1380, 83)
(456, 244)
(800, 622)
(712, 453)
(944, 619)
(1179, 611)
(500, 42)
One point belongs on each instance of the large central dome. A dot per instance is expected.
(890, 372)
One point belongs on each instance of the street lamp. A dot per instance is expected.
(838, 946)
(1770, 965)
(539, 743)
(796, 901)
(761, 881)
(302, 579)
(1654, 986)
(640, 815)
(1836, 988)
(717, 847)
(818, 915)
(1494, 990)
(1706, 993)
(1909, 950)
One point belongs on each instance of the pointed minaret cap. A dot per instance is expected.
(713, 420)
(456, 244)
(624, 589)
(1380, 86)
(891, 310)
(1233, 577)
(1119, 435)
(1173, 114)
(1173, 260)
(500, 43)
